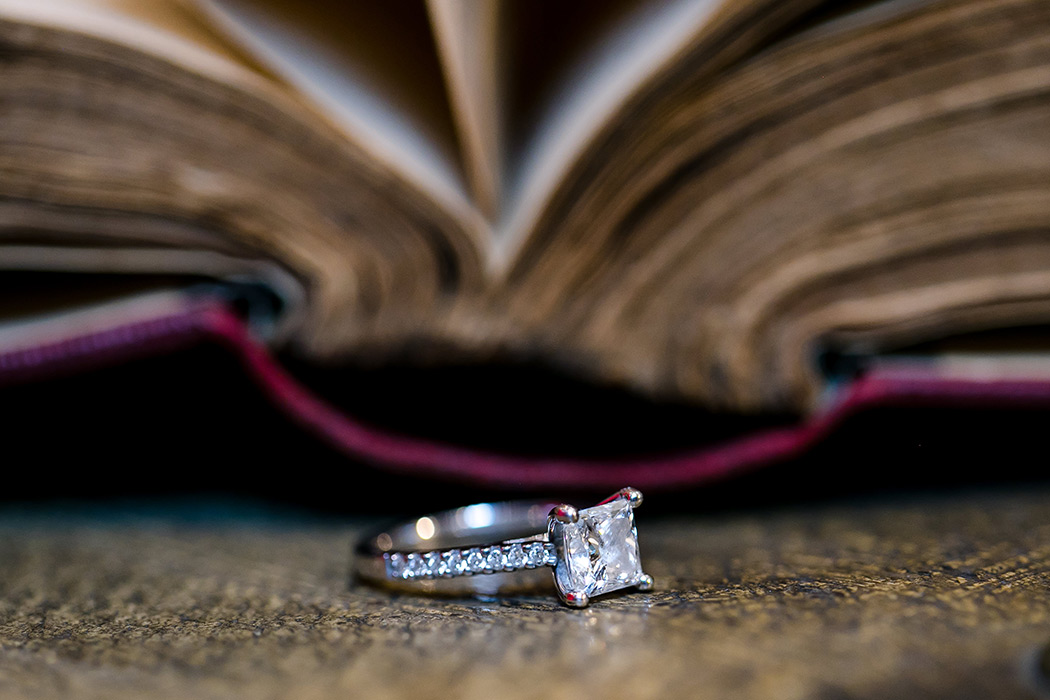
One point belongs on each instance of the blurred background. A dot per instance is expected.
(192, 425)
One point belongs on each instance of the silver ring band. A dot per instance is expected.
(592, 551)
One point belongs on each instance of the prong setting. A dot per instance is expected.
(576, 600)
(645, 583)
(565, 514)
(633, 496)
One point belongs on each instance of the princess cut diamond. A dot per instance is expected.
(599, 552)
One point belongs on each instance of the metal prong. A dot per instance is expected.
(645, 583)
(633, 495)
(565, 514)
(576, 600)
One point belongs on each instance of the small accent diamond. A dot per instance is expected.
(535, 555)
(451, 563)
(433, 562)
(417, 567)
(494, 559)
(396, 566)
(515, 556)
(475, 561)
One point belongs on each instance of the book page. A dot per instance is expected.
(420, 145)
(371, 68)
(542, 42)
(637, 45)
(466, 32)
(131, 127)
(171, 17)
(160, 28)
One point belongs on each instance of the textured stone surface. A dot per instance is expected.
(942, 598)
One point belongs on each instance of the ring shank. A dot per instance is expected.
(474, 525)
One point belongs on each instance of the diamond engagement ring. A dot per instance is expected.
(592, 551)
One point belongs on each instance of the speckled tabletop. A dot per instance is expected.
(941, 597)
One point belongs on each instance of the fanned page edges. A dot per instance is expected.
(874, 180)
(409, 272)
(119, 141)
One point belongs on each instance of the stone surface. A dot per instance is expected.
(940, 598)
(599, 553)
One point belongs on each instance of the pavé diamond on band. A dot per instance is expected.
(592, 550)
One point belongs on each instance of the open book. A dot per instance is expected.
(693, 198)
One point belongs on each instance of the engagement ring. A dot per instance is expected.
(592, 551)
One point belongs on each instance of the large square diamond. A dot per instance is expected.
(599, 552)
